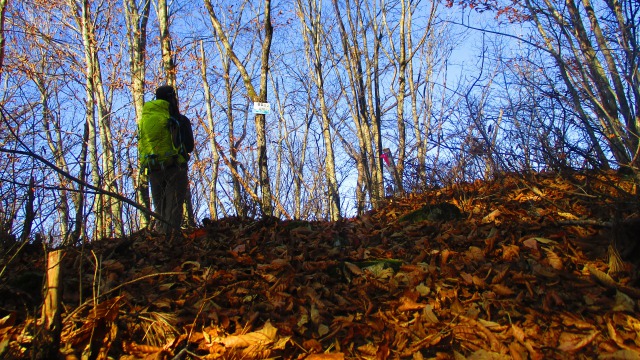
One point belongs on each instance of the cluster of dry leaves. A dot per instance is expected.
(523, 273)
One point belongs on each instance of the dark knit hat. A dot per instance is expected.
(165, 92)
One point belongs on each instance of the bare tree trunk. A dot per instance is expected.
(3, 11)
(79, 199)
(92, 138)
(587, 80)
(113, 206)
(298, 161)
(267, 207)
(234, 141)
(312, 30)
(51, 129)
(51, 312)
(165, 43)
(170, 71)
(213, 197)
(263, 168)
(109, 212)
(29, 212)
(402, 55)
(136, 20)
(404, 30)
(360, 114)
(372, 89)
(279, 155)
(421, 130)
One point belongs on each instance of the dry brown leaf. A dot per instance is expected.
(630, 322)
(429, 316)
(618, 332)
(510, 252)
(468, 279)
(483, 354)
(329, 356)
(7, 323)
(140, 350)
(445, 255)
(491, 217)
(113, 265)
(478, 282)
(517, 351)
(624, 354)
(407, 304)
(554, 260)
(501, 290)
(569, 319)
(263, 337)
(572, 342)
(368, 349)
(312, 345)
(500, 276)
(532, 244)
(474, 254)
(568, 216)
(601, 277)
(353, 268)
(517, 332)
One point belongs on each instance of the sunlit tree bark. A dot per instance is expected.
(3, 12)
(136, 18)
(165, 43)
(596, 55)
(372, 80)
(171, 74)
(52, 131)
(359, 111)
(310, 14)
(261, 96)
(401, 52)
(109, 210)
(213, 182)
(235, 140)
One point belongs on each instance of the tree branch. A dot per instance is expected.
(83, 183)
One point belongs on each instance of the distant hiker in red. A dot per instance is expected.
(165, 139)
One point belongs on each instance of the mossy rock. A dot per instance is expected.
(433, 212)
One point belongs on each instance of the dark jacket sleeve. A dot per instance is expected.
(186, 134)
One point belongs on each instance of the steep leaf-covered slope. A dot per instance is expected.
(510, 268)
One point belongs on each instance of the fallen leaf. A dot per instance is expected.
(312, 345)
(353, 268)
(501, 290)
(407, 304)
(624, 354)
(264, 336)
(329, 356)
(572, 342)
(491, 217)
(554, 260)
(483, 354)
(510, 252)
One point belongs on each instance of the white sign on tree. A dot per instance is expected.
(261, 108)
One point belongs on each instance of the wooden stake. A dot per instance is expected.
(51, 310)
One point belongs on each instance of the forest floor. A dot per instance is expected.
(515, 269)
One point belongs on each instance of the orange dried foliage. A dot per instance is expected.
(523, 274)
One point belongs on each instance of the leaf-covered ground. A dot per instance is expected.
(514, 269)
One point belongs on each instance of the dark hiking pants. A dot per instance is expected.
(169, 190)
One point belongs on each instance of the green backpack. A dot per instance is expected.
(158, 133)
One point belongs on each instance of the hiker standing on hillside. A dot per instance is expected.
(165, 139)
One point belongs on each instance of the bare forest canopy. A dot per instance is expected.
(367, 99)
